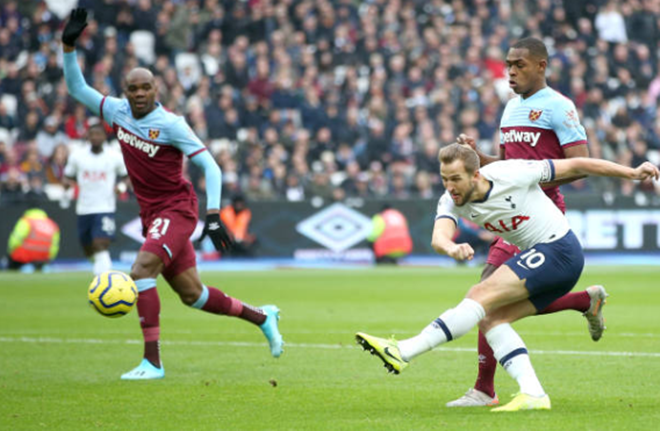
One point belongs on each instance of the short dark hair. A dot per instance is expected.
(456, 151)
(535, 46)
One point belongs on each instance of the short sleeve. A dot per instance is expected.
(566, 125)
(446, 208)
(529, 171)
(183, 138)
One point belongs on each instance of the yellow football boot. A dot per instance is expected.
(525, 402)
(386, 350)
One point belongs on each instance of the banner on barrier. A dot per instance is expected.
(339, 230)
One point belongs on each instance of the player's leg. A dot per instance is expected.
(511, 352)
(84, 225)
(502, 288)
(549, 272)
(103, 231)
(589, 302)
(100, 251)
(144, 272)
(483, 392)
(183, 277)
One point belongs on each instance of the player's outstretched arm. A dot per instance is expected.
(213, 227)
(75, 81)
(583, 166)
(443, 232)
(570, 153)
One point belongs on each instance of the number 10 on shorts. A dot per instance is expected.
(531, 259)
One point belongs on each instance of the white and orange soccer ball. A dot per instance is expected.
(112, 294)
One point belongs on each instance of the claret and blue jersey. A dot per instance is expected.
(540, 127)
(153, 146)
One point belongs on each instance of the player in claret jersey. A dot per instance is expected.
(538, 124)
(153, 142)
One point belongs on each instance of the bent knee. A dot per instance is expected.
(141, 270)
(189, 298)
(489, 322)
(477, 292)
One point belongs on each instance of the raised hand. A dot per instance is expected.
(75, 26)
(464, 139)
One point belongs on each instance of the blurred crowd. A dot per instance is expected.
(329, 98)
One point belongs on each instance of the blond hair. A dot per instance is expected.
(456, 151)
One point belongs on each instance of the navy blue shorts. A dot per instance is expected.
(92, 226)
(550, 270)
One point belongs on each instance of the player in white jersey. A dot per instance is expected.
(504, 194)
(539, 123)
(99, 173)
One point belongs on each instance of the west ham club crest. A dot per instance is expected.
(535, 114)
(154, 133)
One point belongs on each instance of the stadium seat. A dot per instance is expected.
(144, 42)
(10, 103)
(6, 137)
(188, 68)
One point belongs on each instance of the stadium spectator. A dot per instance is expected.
(237, 217)
(50, 137)
(56, 164)
(382, 93)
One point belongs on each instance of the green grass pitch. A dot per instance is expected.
(60, 362)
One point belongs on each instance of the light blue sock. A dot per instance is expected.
(201, 301)
(145, 284)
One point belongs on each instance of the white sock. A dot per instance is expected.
(510, 351)
(451, 324)
(102, 262)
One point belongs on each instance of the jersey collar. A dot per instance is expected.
(487, 194)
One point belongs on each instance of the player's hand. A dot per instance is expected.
(461, 252)
(222, 239)
(646, 171)
(464, 139)
(75, 26)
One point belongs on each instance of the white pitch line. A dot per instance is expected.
(51, 340)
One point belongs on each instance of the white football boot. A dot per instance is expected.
(474, 398)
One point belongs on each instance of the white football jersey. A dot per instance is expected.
(96, 175)
(515, 208)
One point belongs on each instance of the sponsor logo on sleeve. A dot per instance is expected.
(571, 120)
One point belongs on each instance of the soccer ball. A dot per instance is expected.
(112, 294)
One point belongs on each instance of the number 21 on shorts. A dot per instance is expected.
(159, 227)
(531, 259)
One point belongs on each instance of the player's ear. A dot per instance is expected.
(543, 64)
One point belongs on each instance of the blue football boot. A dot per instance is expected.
(270, 330)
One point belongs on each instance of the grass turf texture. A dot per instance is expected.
(60, 362)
